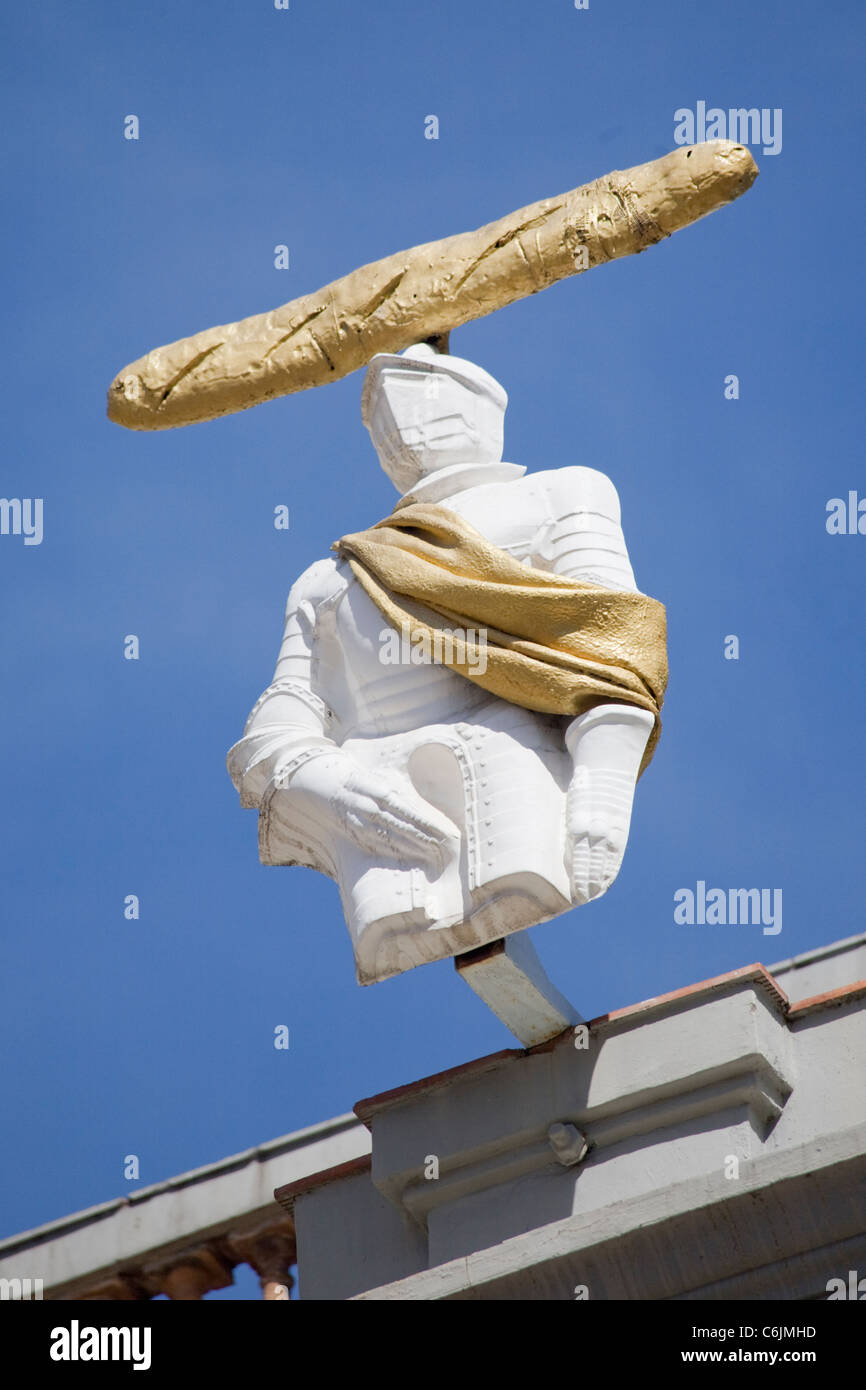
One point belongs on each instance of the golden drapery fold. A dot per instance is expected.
(552, 644)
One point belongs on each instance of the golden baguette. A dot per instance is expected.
(426, 291)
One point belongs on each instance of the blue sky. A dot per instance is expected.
(306, 127)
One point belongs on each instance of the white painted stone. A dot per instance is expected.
(152, 1223)
(651, 1095)
(664, 1096)
(447, 816)
(827, 967)
(792, 1222)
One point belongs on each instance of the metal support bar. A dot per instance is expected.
(511, 980)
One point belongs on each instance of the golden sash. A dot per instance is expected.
(552, 644)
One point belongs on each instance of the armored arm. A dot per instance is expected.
(289, 724)
(288, 765)
(583, 539)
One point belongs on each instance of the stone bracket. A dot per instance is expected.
(673, 1070)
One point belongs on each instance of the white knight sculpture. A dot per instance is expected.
(457, 802)
(460, 801)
